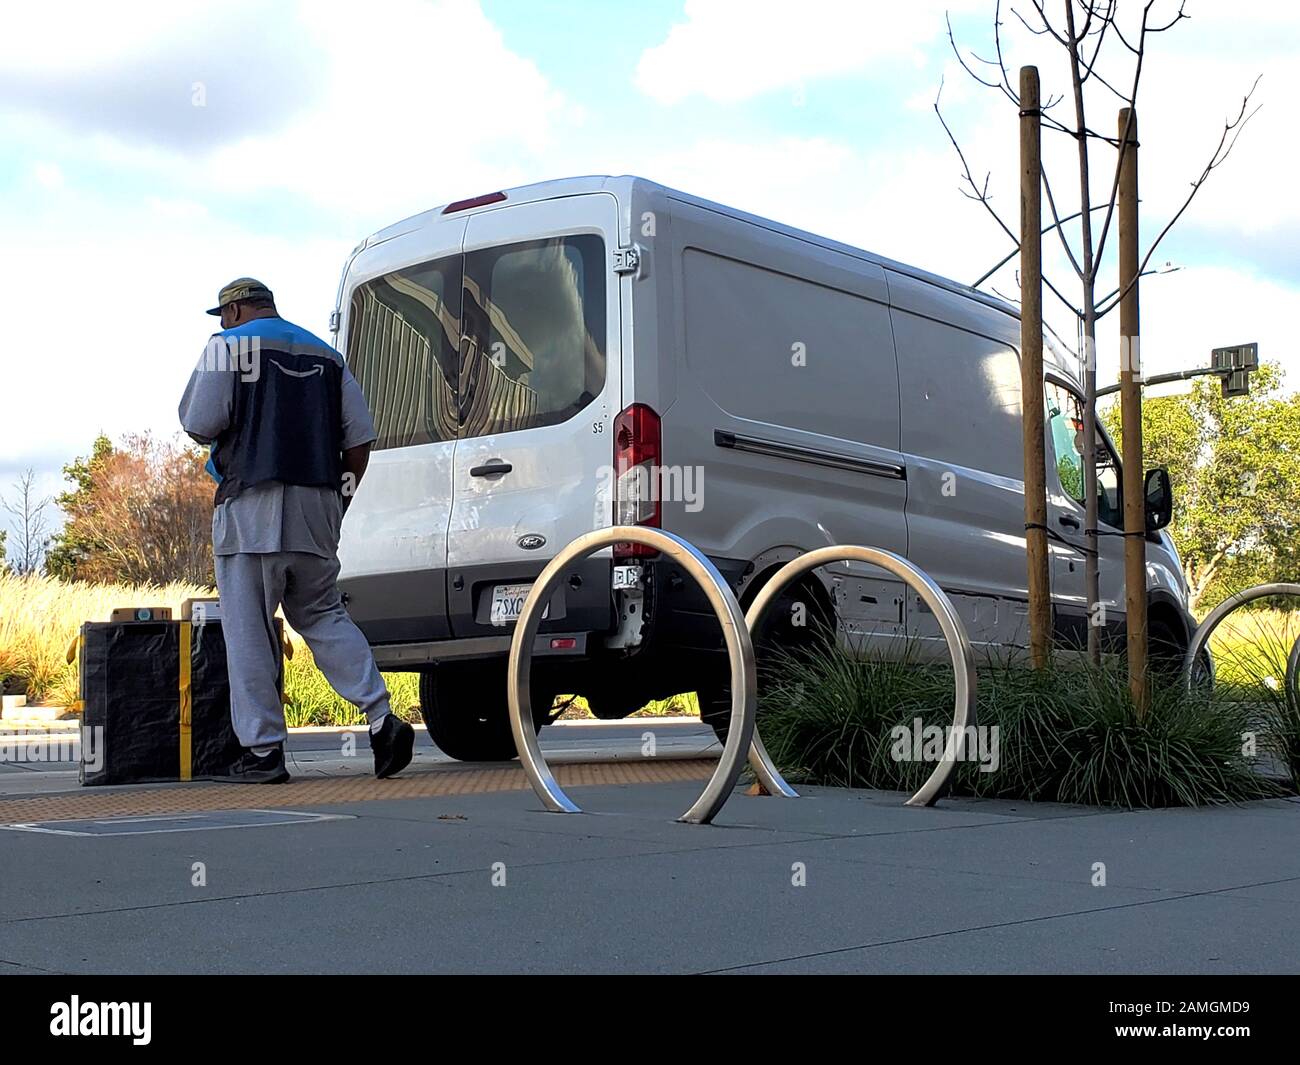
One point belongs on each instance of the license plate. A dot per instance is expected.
(508, 603)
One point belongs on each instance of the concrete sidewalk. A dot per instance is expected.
(49, 762)
(836, 881)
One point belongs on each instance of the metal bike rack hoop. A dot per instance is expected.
(744, 683)
(1206, 628)
(954, 632)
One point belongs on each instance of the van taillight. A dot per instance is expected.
(636, 472)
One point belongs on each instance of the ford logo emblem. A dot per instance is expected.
(531, 542)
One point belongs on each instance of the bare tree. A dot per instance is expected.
(1087, 32)
(30, 527)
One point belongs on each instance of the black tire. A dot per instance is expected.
(609, 703)
(779, 629)
(715, 708)
(1165, 650)
(464, 708)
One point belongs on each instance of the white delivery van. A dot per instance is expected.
(548, 360)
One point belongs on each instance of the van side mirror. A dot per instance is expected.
(1159, 496)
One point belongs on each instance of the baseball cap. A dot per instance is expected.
(242, 288)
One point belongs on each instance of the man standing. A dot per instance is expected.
(291, 438)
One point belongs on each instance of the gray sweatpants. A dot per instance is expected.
(252, 586)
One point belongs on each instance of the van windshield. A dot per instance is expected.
(504, 338)
(1065, 419)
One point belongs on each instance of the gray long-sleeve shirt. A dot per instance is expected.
(273, 516)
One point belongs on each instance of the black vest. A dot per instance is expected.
(286, 425)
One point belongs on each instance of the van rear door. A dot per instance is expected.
(539, 389)
(401, 332)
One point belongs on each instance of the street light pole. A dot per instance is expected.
(1170, 378)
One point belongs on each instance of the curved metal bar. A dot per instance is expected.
(1201, 636)
(740, 650)
(954, 632)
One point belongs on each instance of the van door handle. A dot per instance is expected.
(1069, 521)
(494, 468)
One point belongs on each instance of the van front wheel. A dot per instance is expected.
(464, 708)
(609, 702)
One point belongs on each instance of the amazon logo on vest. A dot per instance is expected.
(317, 369)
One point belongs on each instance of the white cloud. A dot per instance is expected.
(79, 35)
(786, 176)
(413, 103)
(48, 176)
(180, 76)
(1185, 314)
(432, 110)
(112, 316)
(731, 50)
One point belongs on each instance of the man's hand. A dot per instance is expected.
(355, 461)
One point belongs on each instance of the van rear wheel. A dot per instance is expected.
(799, 621)
(465, 710)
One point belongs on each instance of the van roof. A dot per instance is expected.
(622, 187)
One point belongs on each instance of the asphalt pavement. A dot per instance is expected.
(834, 881)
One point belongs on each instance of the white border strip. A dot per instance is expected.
(299, 818)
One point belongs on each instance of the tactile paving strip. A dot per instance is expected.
(102, 802)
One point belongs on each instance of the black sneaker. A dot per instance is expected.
(393, 745)
(249, 768)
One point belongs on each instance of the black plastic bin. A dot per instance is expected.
(159, 721)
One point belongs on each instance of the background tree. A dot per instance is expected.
(30, 526)
(69, 545)
(1102, 57)
(1235, 469)
(138, 513)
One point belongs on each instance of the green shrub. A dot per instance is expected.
(1067, 734)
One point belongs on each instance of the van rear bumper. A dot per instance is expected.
(403, 657)
(405, 617)
(437, 605)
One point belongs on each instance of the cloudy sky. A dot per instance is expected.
(154, 150)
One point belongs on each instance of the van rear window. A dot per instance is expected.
(505, 338)
(534, 322)
(403, 335)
